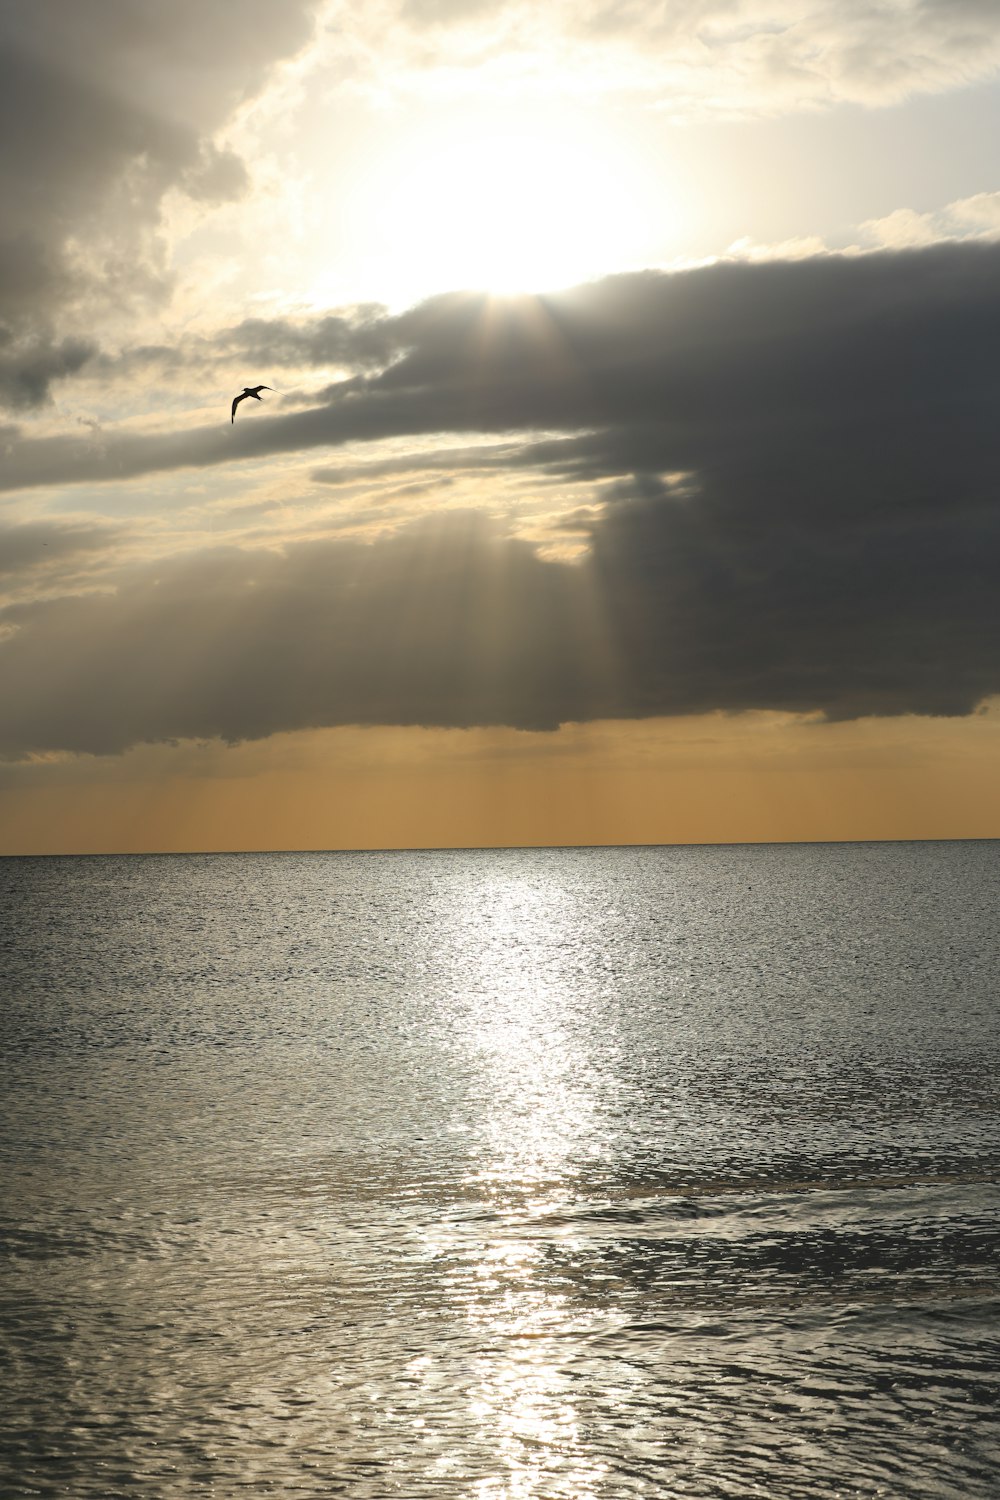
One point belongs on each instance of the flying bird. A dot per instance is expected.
(248, 390)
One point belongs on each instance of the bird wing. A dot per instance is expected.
(263, 387)
(236, 402)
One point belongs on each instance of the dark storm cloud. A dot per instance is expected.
(450, 623)
(799, 471)
(853, 364)
(103, 108)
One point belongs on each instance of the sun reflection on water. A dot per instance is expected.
(524, 1398)
(541, 1085)
(541, 1092)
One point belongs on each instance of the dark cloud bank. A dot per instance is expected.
(834, 546)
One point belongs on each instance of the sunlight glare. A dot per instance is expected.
(504, 210)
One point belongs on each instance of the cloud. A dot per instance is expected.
(28, 367)
(838, 363)
(793, 474)
(693, 58)
(44, 543)
(240, 644)
(769, 598)
(105, 108)
(966, 218)
(110, 108)
(357, 338)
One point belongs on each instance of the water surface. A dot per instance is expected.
(502, 1174)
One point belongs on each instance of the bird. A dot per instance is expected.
(248, 390)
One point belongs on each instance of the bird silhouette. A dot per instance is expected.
(248, 390)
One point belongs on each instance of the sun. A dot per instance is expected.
(504, 209)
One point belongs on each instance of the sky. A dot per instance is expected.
(629, 472)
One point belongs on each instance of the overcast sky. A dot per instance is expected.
(635, 389)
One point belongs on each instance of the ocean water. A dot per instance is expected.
(502, 1174)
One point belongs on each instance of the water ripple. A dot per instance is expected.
(502, 1176)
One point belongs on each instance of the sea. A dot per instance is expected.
(502, 1174)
